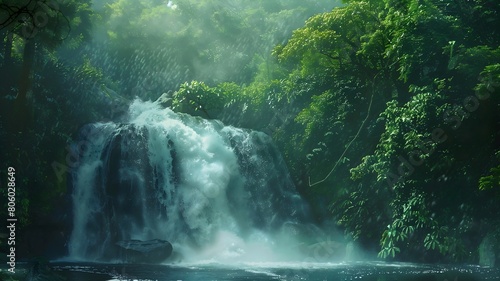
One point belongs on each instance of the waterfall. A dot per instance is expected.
(213, 191)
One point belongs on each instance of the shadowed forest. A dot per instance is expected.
(386, 111)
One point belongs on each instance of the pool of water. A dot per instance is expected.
(367, 271)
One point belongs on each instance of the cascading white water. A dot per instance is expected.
(213, 191)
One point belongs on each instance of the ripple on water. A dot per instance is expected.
(366, 271)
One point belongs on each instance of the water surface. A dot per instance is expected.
(368, 271)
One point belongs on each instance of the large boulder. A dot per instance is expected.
(151, 251)
(487, 251)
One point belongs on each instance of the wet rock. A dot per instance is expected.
(165, 100)
(487, 251)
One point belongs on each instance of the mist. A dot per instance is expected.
(151, 47)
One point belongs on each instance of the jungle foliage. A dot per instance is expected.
(386, 111)
(425, 76)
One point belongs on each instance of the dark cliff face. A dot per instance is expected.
(269, 188)
(126, 191)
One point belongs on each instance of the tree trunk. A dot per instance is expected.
(7, 65)
(3, 35)
(7, 49)
(23, 110)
